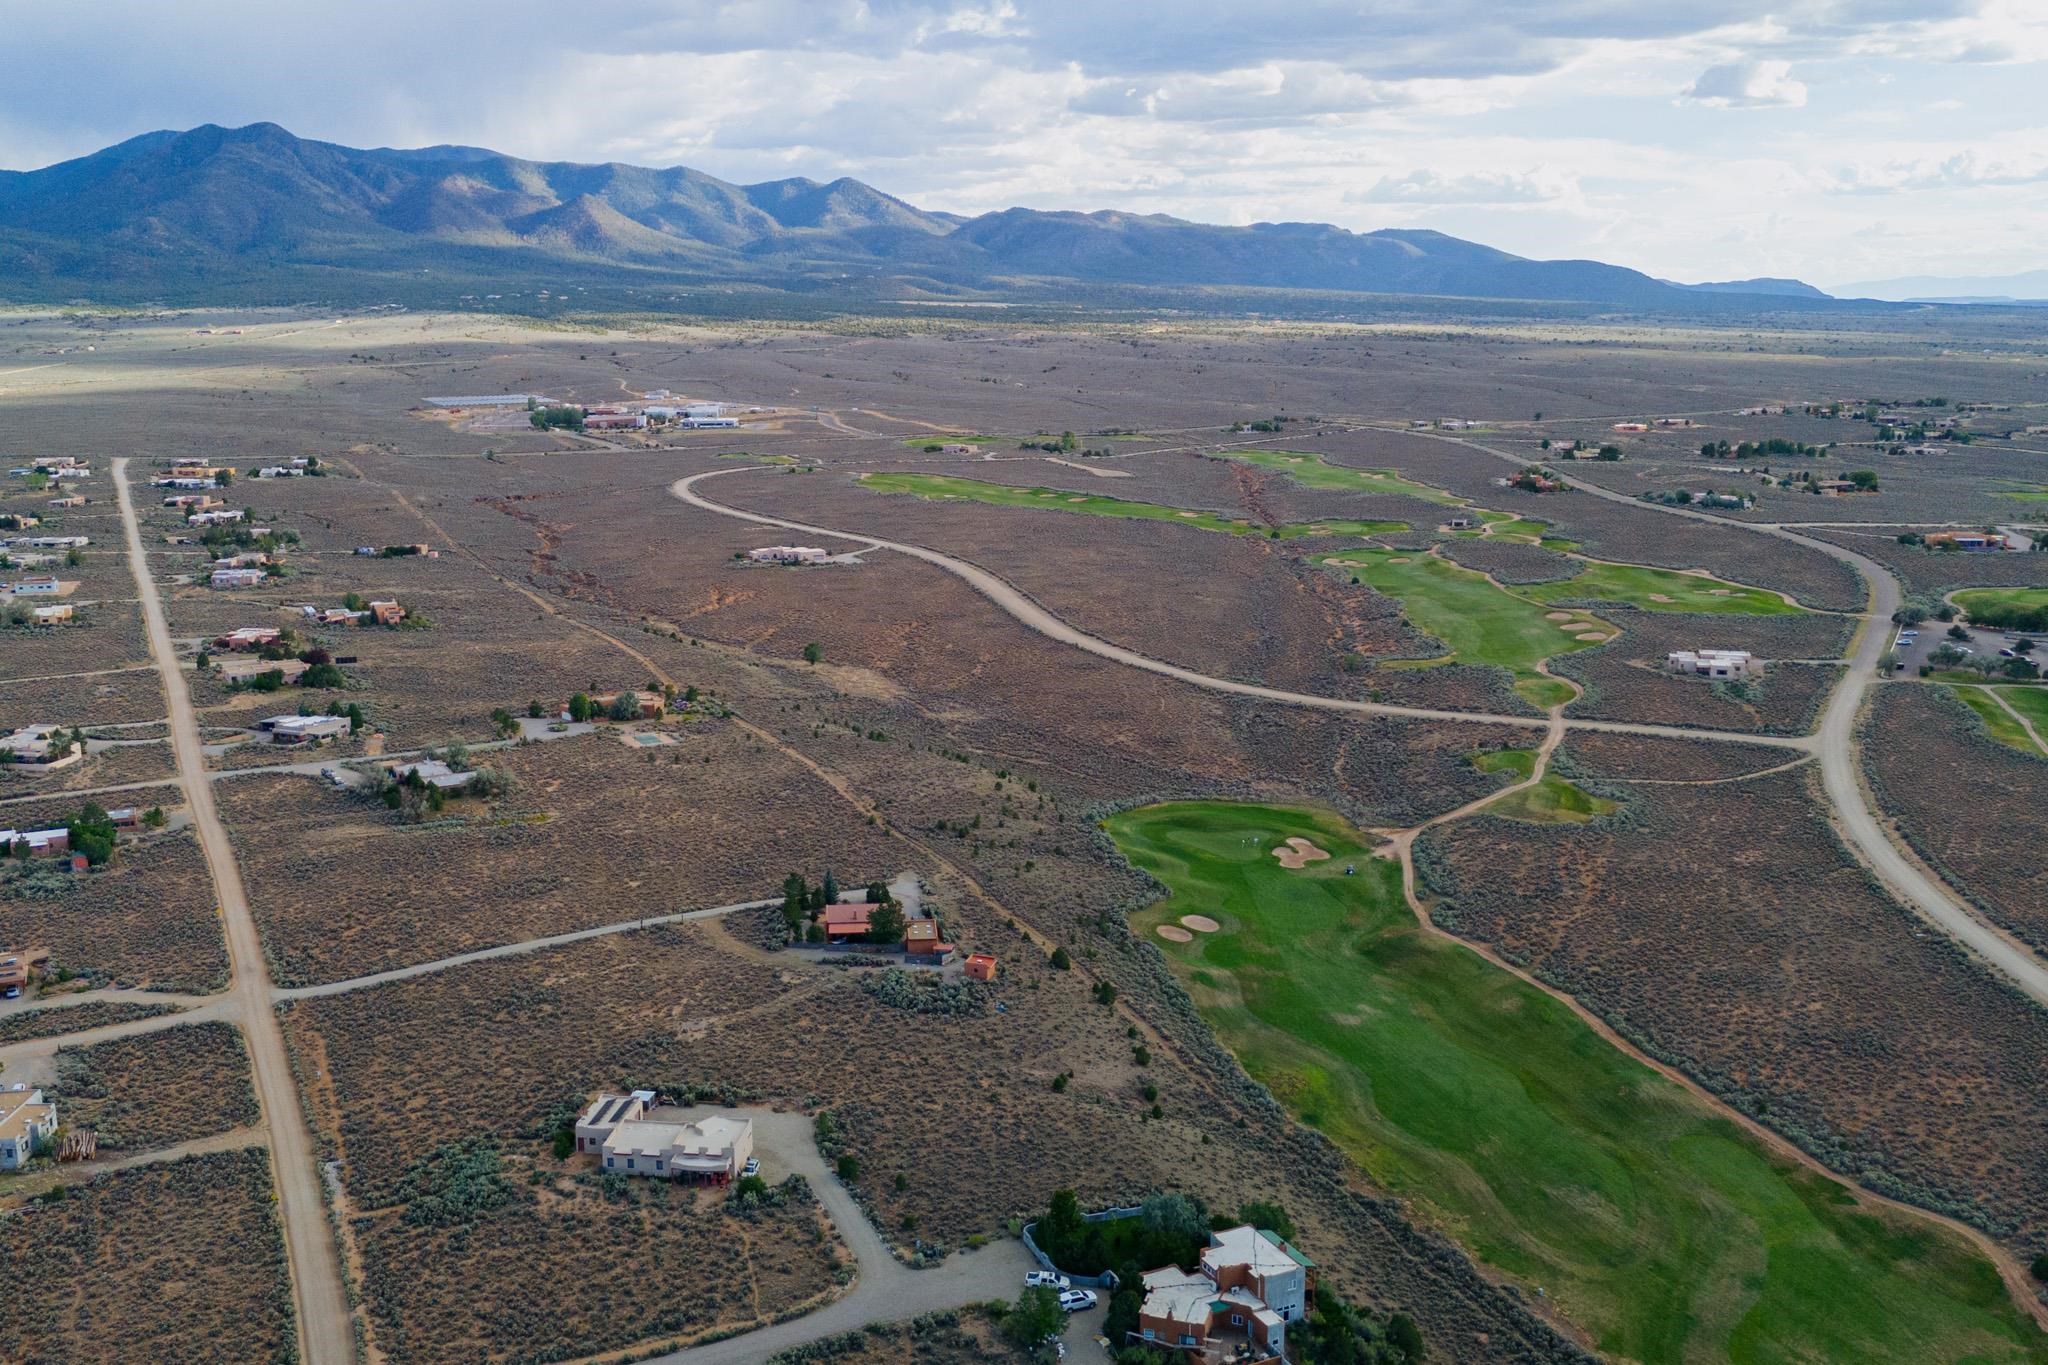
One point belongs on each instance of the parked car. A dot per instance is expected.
(1078, 1300)
(753, 1167)
(1050, 1279)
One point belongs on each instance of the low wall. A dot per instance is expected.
(1108, 1278)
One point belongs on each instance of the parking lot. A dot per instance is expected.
(1914, 653)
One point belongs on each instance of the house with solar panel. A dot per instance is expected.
(633, 1134)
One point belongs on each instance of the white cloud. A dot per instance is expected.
(1478, 187)
(1748, 85)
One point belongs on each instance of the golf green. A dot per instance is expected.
(1668, 1232)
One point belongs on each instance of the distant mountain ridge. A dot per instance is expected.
(179, 212)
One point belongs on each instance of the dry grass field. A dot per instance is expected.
(591, 833)
(145, 920)
(1917, 737)
(181, 1260)
(155, 1089)
(1718, 924)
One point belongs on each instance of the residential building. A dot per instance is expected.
(27, 1122)
(1630, 426)
(247, 559)
(846, 921)
(41, 842)
(386, 613)
(72, 500)
(1974, 541)
(192, 502)
(1249, 1286)
(37, 587)
(434, 773)
(241, 670)
(788, 554)
(247, 638)
(921, 940)
(45, 747)
(1459, 521)
(236, 578)
(51, 615)
(215, 516)
(304, 729)
(981, 967)
(630, 1134)
(1714, 663)
(17, 965)
(177, 481)
(49, 542)
(695, 423)
(651, 703)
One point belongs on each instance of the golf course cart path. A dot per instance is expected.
(1015, 602)
(1907, 878)
(326, 1336)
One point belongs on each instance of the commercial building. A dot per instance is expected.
(788, 554)
(27, 1122)
(614, 421)
(1713, 663)
(630, 1134)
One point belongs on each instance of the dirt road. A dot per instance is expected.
(1017, 604)
(886, 1289)
(325, 1334)
(356, 983)
(1908, 879)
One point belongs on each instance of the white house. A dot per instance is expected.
(1713, 663)
(1250, 1285)
(304, 729)
(26, 1121)
(628, 1134)
(788, 554)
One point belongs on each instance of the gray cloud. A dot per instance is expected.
(1748, 85)
(1480, 187)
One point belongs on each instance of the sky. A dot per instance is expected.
(1829, 140)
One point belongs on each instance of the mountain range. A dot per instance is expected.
(257, 214)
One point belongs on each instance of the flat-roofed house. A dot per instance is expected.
(632, 1136)
(236, 578)
(1722, 664)
(1250, 1285)
(27, 1121)
(244, 638)
(304, 729)
(241, 670)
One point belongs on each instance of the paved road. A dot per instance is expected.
(356, 983)
(326, 1336)
(886, 1290)
(1024, 609)
(1910, 880)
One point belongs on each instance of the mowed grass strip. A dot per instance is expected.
(1999, 723)
(1482, 622)
(1314, 471)
(1665, 1230)
(940, 487)
(1978, 599)
(1660, 590)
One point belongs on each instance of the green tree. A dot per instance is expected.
(849, 1168)
(625, 706)
(1267, 1215)
(1061, 960)
(1122, 1318)
(1035, 1316)
(505, 723)
(813, 652)
(92, 833)
(580, 707)
(885, 923)
(831, 888)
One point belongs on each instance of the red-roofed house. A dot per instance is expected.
(846, 922)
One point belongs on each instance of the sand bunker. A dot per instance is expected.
(1557, 616)
(1201, 924)
(1187, 514)
(1299, 852)
(1720, 592)
(1591, 635)
(1173, 933)
(1077, 499)
(1399, 559)
(1658, 597)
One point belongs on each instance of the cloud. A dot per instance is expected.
(1964, 170)
(1747, 85)
(1479, 187)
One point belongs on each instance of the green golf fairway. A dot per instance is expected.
(1666, 1231)
(939, 487)
(1314, 471)
(1659, 590)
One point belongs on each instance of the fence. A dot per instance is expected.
(1108, 1278)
